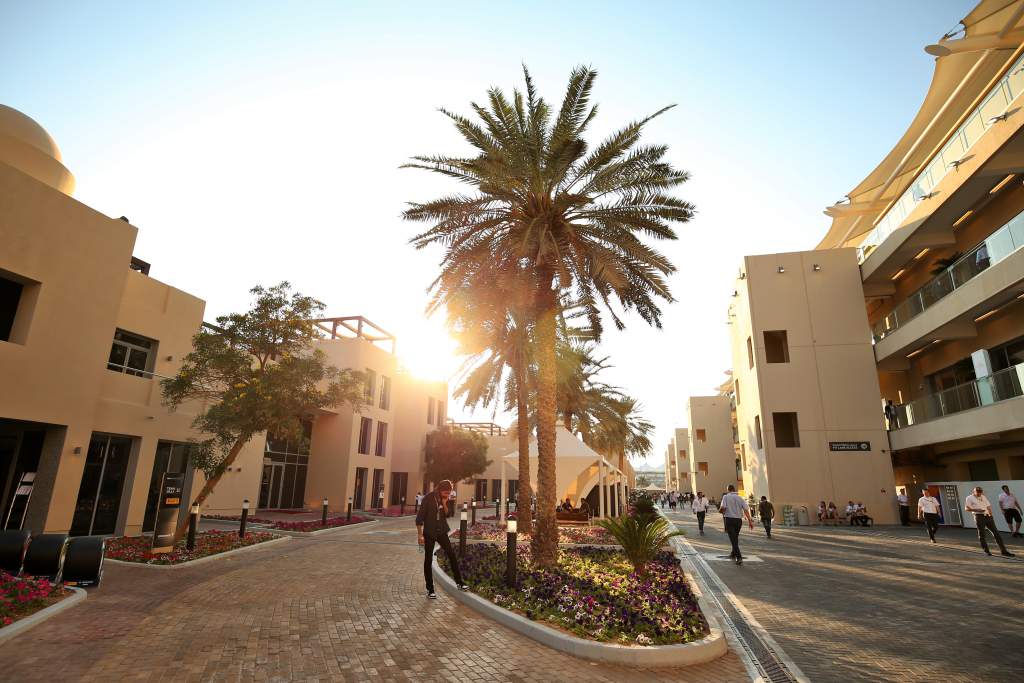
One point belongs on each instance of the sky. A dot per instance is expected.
(254, 142)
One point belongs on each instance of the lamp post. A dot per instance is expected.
(348, 513)
(245, 515)
(463, 516)
(323, 513)
(497, 509)
(403, 506)
(193, 521)
(474, 511)
(510, 553)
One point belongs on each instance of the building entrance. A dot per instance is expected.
(99, 496)
(270, 485)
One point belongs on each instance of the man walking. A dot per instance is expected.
(432, 528)
(978, 505)
(734, 509)
(928, 509)
(1010, 506)
(767, 513)
(904, 502)
(700, 507)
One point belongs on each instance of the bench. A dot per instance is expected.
(573, 516)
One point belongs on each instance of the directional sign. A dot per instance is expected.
(849, 446)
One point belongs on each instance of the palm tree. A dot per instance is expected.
(570, 217)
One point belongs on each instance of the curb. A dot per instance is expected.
(201, 560)
(318, 532)
(708, 649)
(22, 625)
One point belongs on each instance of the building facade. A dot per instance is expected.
(712, 460)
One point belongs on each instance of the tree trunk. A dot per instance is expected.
(210, 484)
(524, 494)
(545, 537)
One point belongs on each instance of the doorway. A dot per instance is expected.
(99, 496)
(171, 458)
(360, 492)
(378, 489)
(270, 485)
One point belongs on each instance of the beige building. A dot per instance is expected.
(682, 461)
(712, 460)
(85, 337)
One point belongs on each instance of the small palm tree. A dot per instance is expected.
(640, 542)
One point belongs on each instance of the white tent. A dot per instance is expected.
(578, 468)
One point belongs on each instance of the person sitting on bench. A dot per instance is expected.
(567, 504)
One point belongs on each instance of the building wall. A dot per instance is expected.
(712, 417)
(412, 426)
(681, 453)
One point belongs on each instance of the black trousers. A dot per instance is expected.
(986, 522)
(905, 515)
(700, 520)
(732, 527)
(767, 522)
(428, 555)
(931, 523)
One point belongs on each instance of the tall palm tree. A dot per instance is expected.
(572, 217)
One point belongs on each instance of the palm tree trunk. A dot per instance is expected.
(211, 483)
(524, 494)
(545, 537)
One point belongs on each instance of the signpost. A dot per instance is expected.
(168, 505)
(849, 446)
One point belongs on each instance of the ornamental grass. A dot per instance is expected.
(137, 548)
(593, 593)
(21, 596)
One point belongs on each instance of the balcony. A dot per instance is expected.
(975, 408)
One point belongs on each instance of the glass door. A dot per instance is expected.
(171, 458)
(99, 495)
(357, 499)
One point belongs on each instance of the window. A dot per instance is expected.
(385, 393)
(757, 432)
(983, 470)
(702, 467)
(787, 431)
(682, 455)
(132, 354)
(702, 435)
(371, 384)
(743, 456)
(776, 346)
(10, 298)
(365, 425)
(430, 410)
(440, 412)
(736, 389)
(382, 439)
(750, 352)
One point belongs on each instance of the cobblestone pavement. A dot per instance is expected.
(879, 604)
(346, 606)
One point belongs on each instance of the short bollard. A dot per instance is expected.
(323, 513)
(497, 509)
(245, 516)
(463, 516)
(402, 510)
(193, 522)
(348, 514)
(380, 502)
(510, 553)
(474, 512)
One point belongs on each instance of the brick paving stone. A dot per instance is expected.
(348, 606)
(879, 604)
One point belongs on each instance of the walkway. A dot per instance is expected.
(346, 606)
(878, 604)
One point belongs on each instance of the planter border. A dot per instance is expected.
(201, 560)
(707, 649)
(17, 628)
(318, 532)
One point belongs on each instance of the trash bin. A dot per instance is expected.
(803, 518)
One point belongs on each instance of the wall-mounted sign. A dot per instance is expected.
(849, 445)
(171, 487)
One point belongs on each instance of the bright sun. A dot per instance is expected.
(429, 354)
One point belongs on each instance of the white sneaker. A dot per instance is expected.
(432, 595)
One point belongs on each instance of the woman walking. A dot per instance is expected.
(432, 527)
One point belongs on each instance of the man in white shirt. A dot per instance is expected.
(700, 506)
(904, 503)
(978, 505)
(734, 509)
(928, 509)
(1010, 506)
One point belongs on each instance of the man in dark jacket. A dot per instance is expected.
(767, 512)
(432, 527)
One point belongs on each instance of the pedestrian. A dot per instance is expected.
(700, 507)
(978, 505)
(904, 503)
(890, 415)
(928, 509)
(1010, 506)
(419, 499)
(767, 512)
(432, 527)
(735, 509)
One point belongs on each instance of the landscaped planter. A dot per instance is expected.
(593, 607)
(304, 526)
(209, 545)
(574, 535)
(23, 604)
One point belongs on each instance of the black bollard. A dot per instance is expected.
(474, 512)
(245, 515)
(323, 513)
(402, 510)
(348, 514)
(193, 522)
(510, 553)
(463, 516)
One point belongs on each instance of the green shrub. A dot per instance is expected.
(640, 541)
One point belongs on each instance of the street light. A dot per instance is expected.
(193, 521)
(323, 510)
(245, 515)
(463, 516)
(348, 514)
(510, 553)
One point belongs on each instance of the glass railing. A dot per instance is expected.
(999, 386)
(951, 156)
(994, 249)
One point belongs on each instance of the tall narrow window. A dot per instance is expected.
(371, 384)
(776, 346)
(440, 412)
(385, 393)
(743, 456)
(132, 354)
(757, 432)
(365, 425)
(750, 352)
(702, 435)
(736, 388)
(787, 431)
(682, 455)
(430, 410)
(702, 467)
(382, 439)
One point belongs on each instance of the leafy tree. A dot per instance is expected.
(571, 218)
(257, 372)
(455, 454)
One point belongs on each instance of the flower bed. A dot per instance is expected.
(137, 548)
(592, 593)
(302, 525)
(567, 534)
(23, 596)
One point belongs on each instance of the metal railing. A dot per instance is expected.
(994, 249)
(999, 386)
(986, 115)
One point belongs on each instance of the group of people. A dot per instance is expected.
(855, 512)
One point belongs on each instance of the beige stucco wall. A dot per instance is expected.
(713, 414)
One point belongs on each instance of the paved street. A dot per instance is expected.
(879, 604)
(346, 606)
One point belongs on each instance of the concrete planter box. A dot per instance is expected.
(17, 628)
(201, 560)
(707, 649)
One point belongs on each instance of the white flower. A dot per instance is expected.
(642, 639)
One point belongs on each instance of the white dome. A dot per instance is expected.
(26, 146)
